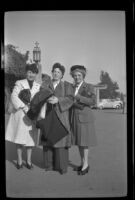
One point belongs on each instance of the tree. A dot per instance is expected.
(14, 69)
(14, 61)
(112, 87)
(14, 66)
(121, 96)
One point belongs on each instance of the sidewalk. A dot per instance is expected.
(107, 175)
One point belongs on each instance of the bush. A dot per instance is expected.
(10, 80)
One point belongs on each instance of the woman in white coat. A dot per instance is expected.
(20, 129)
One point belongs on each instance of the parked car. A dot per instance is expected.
(110, 103)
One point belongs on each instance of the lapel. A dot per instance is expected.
(73, 87)
(59, 89)
(83, 86)
(33, 87)
(50, 85)
(26, 84)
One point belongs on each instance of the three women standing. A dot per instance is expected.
(70, 106)
(20, 129)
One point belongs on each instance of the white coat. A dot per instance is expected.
(20, 129)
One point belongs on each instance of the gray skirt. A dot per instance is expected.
(83, 134)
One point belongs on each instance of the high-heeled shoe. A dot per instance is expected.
(19, 166)
(85, 171)
(29, 166)
(77, 168)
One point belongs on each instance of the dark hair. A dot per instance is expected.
(61, 67)
(79, 68)
(32, 67)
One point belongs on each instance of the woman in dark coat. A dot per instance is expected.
(82, 119)
(56, 122)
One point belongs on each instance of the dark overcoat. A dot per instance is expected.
(82, 118)
(64, 94)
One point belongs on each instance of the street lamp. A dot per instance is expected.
(36, 53)
(37, 59)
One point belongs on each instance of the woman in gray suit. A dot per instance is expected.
(82, 119)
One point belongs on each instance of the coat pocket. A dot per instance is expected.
(84, 118)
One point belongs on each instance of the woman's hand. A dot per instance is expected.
(25, 109)
(77, 98)
(53, 100)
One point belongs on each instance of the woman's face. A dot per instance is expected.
(30, 75)
(78, 77)
(56, 74)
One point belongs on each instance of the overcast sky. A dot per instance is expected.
(95, 39)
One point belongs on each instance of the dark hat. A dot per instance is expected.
(80, 67)
(32, 67)
(58, 65)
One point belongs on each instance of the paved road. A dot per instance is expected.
(107, 175)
